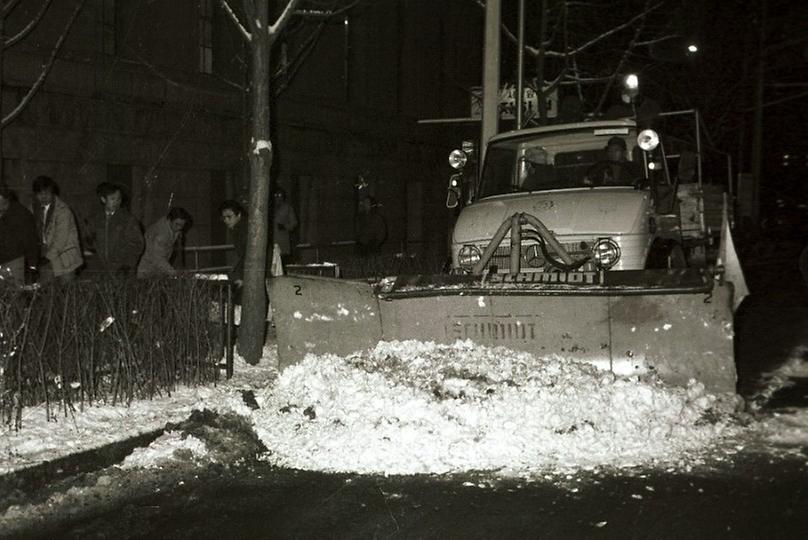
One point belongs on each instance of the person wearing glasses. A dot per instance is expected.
(234, 218)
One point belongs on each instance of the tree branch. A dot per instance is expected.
(283, 19)
(8, 8)
(326, 13)
(534, 51)
(45, 70)
(30, 26)
(233, 17)
(623, 60)
(294, 65)
(614, 30)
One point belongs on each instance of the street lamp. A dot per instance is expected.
(631, 87)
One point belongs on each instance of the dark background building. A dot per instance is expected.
(151, 95)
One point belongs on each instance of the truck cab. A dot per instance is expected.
(604, 189)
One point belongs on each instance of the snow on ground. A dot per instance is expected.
(40, 440)
(788, 428)
(414, 407)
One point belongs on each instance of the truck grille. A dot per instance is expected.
(532, 257)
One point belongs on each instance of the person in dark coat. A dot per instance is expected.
(284, 221)
(235, 219)
(371, 227)
(19, 248)
(616, 170)
(117, 236)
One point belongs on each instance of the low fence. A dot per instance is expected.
(110, 341)
(335, 259)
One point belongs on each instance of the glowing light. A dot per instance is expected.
(631, 82)
(692, 48)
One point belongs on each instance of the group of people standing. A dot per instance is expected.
(44, 245)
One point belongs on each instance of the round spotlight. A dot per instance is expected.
(692, 48)
(606, 253)
(457, 159)
(468, 256)
(648, 139)
(631, 82)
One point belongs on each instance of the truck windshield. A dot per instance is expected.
(569, 159)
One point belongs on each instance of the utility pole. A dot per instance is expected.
(520, 66)
(490, 115)
(757, 135)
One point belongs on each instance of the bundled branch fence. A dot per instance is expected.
(109, 341)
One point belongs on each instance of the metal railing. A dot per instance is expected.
(196, 250)
(316, 268)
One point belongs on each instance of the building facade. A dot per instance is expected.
(154, 96)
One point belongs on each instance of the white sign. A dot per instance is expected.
(507, 103)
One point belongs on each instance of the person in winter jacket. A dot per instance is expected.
(371, 227)
(116, 234)
(284, 221)
(57, 233)
(234, 218)
(161, 240)
(18, 244)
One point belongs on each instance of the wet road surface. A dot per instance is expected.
(752, 497)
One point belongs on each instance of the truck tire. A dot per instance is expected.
(665, 255)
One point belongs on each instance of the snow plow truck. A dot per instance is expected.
(559, 249)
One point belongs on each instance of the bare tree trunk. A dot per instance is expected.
(254, 307)
(256, 30)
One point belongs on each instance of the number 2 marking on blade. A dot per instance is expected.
(297, 290)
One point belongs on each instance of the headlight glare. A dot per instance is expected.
(606, 253)
(648, 139)
(457, 159)
(468, 256)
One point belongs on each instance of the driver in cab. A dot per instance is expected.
(616, 170)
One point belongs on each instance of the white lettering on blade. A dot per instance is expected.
(508, 329)
(570, 278)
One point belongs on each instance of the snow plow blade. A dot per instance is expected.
(676, 324)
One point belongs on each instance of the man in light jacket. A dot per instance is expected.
(57, 233)
(161, 241)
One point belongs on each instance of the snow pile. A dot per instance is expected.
(413, 407)
(786, 429)
(169, 446)
(782, 377)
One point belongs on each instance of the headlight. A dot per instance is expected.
(457, 159)
(468, 256)
(606, 253)
(648, 139)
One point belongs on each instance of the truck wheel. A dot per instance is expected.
(666, 254)
(676, 257)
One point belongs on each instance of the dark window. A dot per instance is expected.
(108, 26)
(206, 36)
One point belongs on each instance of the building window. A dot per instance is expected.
(206, 36)
(108, 26)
